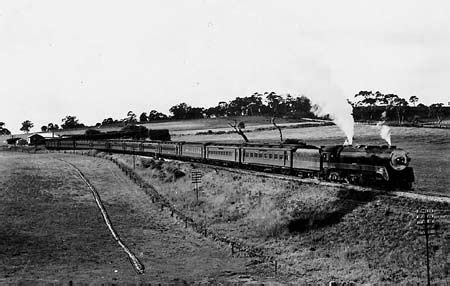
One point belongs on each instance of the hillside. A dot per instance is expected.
(191, 126)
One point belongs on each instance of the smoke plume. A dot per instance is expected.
(330, 100)
(385, 131)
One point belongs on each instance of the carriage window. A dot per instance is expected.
(275, 156)
(265, 156)
(270, 156)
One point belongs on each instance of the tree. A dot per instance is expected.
(396, 103)
(131, 117)
(275, 102)
(109, 121)
(4, 131)
(26, 126)
(52, 127)
(238, 128)
(436, 110)
(180, 111)
(365, 98)
(279, 129)
(413, 99)
(70, 122)
(301, 106)
(369, 99)
(143, 117)
(185, 111)
(155, 115)
(195, 113)
(44, 128)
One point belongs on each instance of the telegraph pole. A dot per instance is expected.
(425, 221)
(196, 179)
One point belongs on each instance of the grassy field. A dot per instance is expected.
(52, 232)
(191, 126)
(429, 148)
(324, 233)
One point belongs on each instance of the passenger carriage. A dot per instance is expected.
(267, 156)
(117, 145)
(168, 148)
(306, 160)
(193, 150)
(224, 153)
(67, 144)
(150, 148)
(99, 144)
(83, 144)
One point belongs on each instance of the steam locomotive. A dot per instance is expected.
(385, 166)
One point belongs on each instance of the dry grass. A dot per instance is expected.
(52, 231)
(325, 233)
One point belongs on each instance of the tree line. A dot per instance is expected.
(367, 105)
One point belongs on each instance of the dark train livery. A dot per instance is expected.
(365, 165)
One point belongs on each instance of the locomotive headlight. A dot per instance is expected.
(383, 172)
(399, 160)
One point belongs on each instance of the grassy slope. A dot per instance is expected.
(52, 230)
(325, 233)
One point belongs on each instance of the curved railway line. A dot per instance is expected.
(347, 186)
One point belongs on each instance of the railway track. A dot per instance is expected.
(345, 186)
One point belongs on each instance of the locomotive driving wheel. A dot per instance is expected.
(356, 179)
(334, 176)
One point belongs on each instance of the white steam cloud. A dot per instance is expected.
(330, 100)
(385, 131)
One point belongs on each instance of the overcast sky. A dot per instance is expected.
(98, 59)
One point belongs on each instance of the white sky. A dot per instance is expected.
(98, 59)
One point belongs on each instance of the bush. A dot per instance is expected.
(92, 132)
(159, 134)
(22, 142)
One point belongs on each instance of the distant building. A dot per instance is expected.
(35, 139)
(12, 141)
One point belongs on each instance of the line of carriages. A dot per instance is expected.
(301, 159)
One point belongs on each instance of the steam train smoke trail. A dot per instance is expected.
(385, 131)
(138, 266)
(330, 100)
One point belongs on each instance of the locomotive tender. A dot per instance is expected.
(374, 165)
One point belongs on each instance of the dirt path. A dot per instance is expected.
(53, 231)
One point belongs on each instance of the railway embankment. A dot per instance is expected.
(53, 232)
(316, 233)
